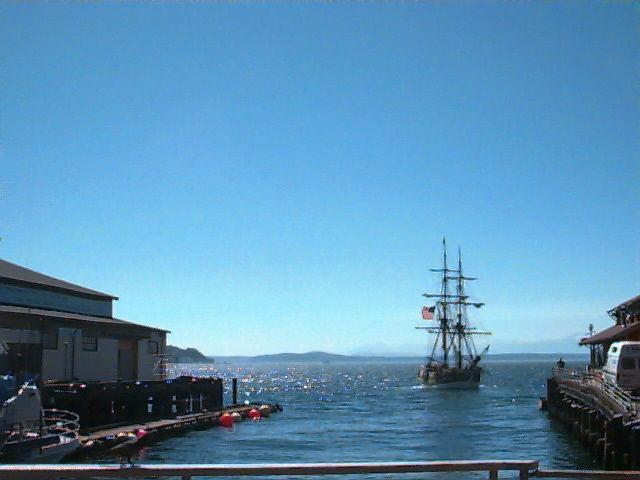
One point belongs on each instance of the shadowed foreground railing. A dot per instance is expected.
(525, 469)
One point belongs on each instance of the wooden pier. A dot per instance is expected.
(602, 416)
(102, 440)
(111, 413)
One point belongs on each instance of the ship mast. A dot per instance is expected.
(444, 321)
(460, 327)
(443, 303)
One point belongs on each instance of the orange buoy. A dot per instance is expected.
(225, 420)
(254, 414)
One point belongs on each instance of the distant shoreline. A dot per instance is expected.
(331, 358)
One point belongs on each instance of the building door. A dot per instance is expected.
(127, 360)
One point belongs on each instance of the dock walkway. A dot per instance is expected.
(110, 436)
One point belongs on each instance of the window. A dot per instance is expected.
(154, 348)
(49, 340)
(628, 363)
(90, 344)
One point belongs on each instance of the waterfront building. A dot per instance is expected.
(56, 331)
(626, 328)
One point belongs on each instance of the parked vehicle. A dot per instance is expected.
(623, 365)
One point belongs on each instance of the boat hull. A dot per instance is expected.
(47, 449)
(31, 434)
(450, 378)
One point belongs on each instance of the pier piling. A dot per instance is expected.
(602, 419)
(234, 391)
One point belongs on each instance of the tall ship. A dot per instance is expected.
(453, 361)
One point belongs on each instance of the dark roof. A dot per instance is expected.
(631, 306)
(34, 312)
(612, 333)
(20, 275)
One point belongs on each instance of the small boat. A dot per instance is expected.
(454, 361)
(31, 434)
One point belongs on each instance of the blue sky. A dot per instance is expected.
(268, 177)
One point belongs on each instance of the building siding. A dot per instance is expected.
(101, 365)
(9, 335)
(36, 298)
(69, 362)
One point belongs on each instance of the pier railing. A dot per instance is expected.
(61, 421)
(524, 469)
(596, 379)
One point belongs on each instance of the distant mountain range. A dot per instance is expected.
(324, 357)
(192, 355)
(310, 357)
(568, 344)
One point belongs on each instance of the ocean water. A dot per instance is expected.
(378, 412)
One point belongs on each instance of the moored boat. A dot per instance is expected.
(31, 434)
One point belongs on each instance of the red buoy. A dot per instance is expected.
(255, 414)
(225, 420)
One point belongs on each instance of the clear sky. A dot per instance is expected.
(269, 177)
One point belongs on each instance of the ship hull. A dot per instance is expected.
(450, 378)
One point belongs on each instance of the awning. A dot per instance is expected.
(611, 334)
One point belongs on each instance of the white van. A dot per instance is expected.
(623, 365)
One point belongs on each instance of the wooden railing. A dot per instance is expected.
(525, 469)
(596, 379)
(587, 474)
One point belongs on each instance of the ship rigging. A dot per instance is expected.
(454, 361)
